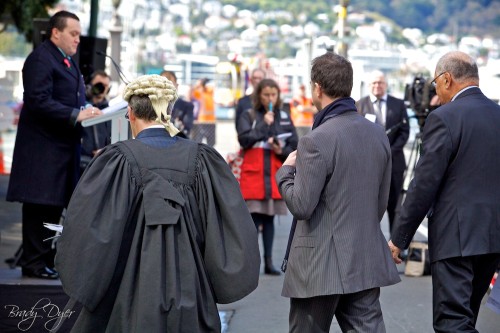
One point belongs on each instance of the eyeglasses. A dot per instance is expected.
(127, 114)
(433, 82)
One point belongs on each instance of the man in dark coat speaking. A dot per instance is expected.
(156, 232)
(46, 163)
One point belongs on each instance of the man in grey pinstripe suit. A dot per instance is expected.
(336, 185)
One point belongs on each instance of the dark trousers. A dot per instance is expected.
(267, 223)
(458, 286)
(394, 192)
(358, 312)
(38, 253)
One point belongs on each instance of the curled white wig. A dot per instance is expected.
(162, 94)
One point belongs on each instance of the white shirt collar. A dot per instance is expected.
(461, 91)
(373, 98)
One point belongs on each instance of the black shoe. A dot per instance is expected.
(269, 268)
(271, 271)
(42, 273)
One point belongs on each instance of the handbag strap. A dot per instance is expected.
(289, 245)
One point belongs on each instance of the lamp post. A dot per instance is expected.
(342, 44)
(94, 11)
(116, 33)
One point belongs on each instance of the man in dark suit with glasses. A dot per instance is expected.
(457, 185)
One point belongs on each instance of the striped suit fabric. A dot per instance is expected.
(338, 192)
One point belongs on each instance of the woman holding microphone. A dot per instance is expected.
(267, 135)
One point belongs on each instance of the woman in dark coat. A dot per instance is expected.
(267, 135)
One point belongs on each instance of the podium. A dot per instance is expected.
(119, 125)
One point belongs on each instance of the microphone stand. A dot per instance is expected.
(117, 67)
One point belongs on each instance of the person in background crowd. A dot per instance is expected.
(457, 185)
(245, 103)
(46, 161)
(182, 113)
(267, 135)
(96, 137)
(156, 232)
(336, 185)
(302, 111)
(389, 112)
(204, 131)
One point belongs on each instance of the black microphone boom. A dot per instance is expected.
(395, 127)
(117, 67)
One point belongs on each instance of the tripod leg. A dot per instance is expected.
(14, 261)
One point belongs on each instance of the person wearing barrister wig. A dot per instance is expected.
(157, 232)
(267, 135)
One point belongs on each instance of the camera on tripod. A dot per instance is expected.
(418, 95)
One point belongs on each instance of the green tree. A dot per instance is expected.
(13, 44)
(21, 13)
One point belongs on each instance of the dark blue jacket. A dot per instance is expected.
(183, 113)
(457, 180)
(45, 167)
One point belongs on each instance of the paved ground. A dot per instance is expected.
(406, 306)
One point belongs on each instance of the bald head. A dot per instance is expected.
(460, 65)
(378, 84)
(455, 71)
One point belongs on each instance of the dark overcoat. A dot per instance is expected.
(45, 166)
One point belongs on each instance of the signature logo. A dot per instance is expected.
(43, 310)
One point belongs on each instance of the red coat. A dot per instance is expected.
(257, 174)
(259, 166)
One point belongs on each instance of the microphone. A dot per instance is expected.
(395, 127)
(117, 67)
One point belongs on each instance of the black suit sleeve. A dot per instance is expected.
(403, 132)
(238, 112)
(188, 117)
(250, 133)
(437, 151)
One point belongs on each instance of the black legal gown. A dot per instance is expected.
(156, 233)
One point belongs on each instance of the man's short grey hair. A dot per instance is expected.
(460, 65)
(376, 74)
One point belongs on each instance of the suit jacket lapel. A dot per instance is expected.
(75, 72)
(367, 106)
(388, 113)
(371, 106)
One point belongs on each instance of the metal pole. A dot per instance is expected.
(342, 44)
(94, 12)
(116, 34)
